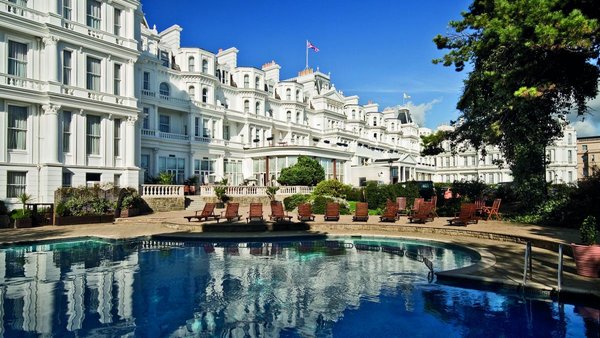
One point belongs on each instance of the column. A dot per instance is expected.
(130, 80)
(130, 141)
(267, 176)
(334, 169)
(51, 132)
(51, 51)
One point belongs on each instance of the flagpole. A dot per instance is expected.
(306, 54)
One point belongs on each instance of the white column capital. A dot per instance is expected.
(132, 120)
(51, 108)
(50, 40)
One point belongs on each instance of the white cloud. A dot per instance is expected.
(418, 111)
(588, 125)
(585, 128)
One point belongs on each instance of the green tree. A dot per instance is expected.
(307, 171)
(532, 63)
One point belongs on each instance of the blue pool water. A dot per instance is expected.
(340, 287)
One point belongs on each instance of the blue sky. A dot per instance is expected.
(374, 49)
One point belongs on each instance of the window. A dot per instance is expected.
(164, 89)
(584, 147)
(164, 57)
(246, 106)
(375, 122)
(93, 74)
(173, 165)
(233, 171)
(164, 123)
(67, 67)
(145, 165)
(67, 9)
(297, 95)
(270, 113)
(570, 173)
(257, 83)
(353, 114)
(288, 94)
(257, 108)
(146, 84)
(204, 95)
(205, 169)
(117, 28)
(196, 126)
(67, 179)
(570, 156)
(192, 92)
(117, 84)
(226, 134)
(191, 64)
(17, 59)
(66, 139)
(15, 184)
(94, 14)
(117, 145)
(146, 122)
(93, 134)
(204, 66)
(205, 128)
(17, 128)
(569, 139)
(289, 116)
(246, 81)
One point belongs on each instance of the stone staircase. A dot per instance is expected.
(195, 202)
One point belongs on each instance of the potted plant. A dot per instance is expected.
(130, 206)
(587, 255)
(271, 192)
(22, 218)
(221, 196)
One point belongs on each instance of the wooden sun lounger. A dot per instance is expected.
(207, 212)
(305, 213)
(362, 212)
(255, 214)
(417, 202)
(493, 211)
(390, 214)
(332, 212)
(466, 215)
(423, 214)
(231, 212)
(277, 212)
(401, 203)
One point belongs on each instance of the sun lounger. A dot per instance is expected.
(207, 212)
(256, 213)
(305, 213)
(423, 214)
(277, 212)
(231, 211)
(332, 212)
(362, 212)
(493, 211)
(401, 203)
(466, 215)
(390, 214)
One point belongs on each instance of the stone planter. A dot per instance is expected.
(130, 212)
(23, 223)
(73, 220)
(587, 260)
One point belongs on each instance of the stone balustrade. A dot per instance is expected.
(160, 190)
(209, 190)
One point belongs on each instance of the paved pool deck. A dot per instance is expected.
(501, 244)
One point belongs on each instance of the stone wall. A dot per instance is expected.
(158, 204)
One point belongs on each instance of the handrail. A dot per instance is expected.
(159, 190)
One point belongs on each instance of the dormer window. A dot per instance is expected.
(191, 64)
(164, 57)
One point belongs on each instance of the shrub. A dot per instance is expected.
(221, 196)
(588, 231)
(20, 214)
(271, 192)
(376, 195)
(293, 201)
(355, 194)
(470, 190)
(307, 171)
(61, 209)
(3, 209)
(320, 202)
(84, 201)
(333, 188)
(165, 178)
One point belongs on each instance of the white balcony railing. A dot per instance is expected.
(209, 190)
(96, 96)
(148, 93)
(21, 82)
(172, 136)
(22, 11)
(158, 190)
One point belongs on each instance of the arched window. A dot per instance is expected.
(164, 89)
(205, 95)
(246, 106)
(289, 115)
(192, 92)
(270, 112)
(204, 66)
(298, 95)
(257, 108)
(191, 64)
(374, 122)
(246, 81)
(257, 83)
(288, 94)
(297, 117)
(219, 75)
(353, 114)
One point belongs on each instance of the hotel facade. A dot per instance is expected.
(91, 93)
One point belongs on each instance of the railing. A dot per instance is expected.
(158, 190)
(23, 11)
(209, 190)
(172, 136)
(21, 82)
(174, 100)
(207, 140)
(148, 93)
(96, 96)
(148, 132)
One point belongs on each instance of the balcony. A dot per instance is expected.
(94, 33)
(97, 96)
(23, 83)
(208, 190)
(163, 135)
(22, 11)
(208, 140)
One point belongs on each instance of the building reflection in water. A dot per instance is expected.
(176, 289)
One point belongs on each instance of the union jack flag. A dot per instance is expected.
(311, 46)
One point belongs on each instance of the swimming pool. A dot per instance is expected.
(341, 287)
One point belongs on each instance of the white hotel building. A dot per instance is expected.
(89, 92)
